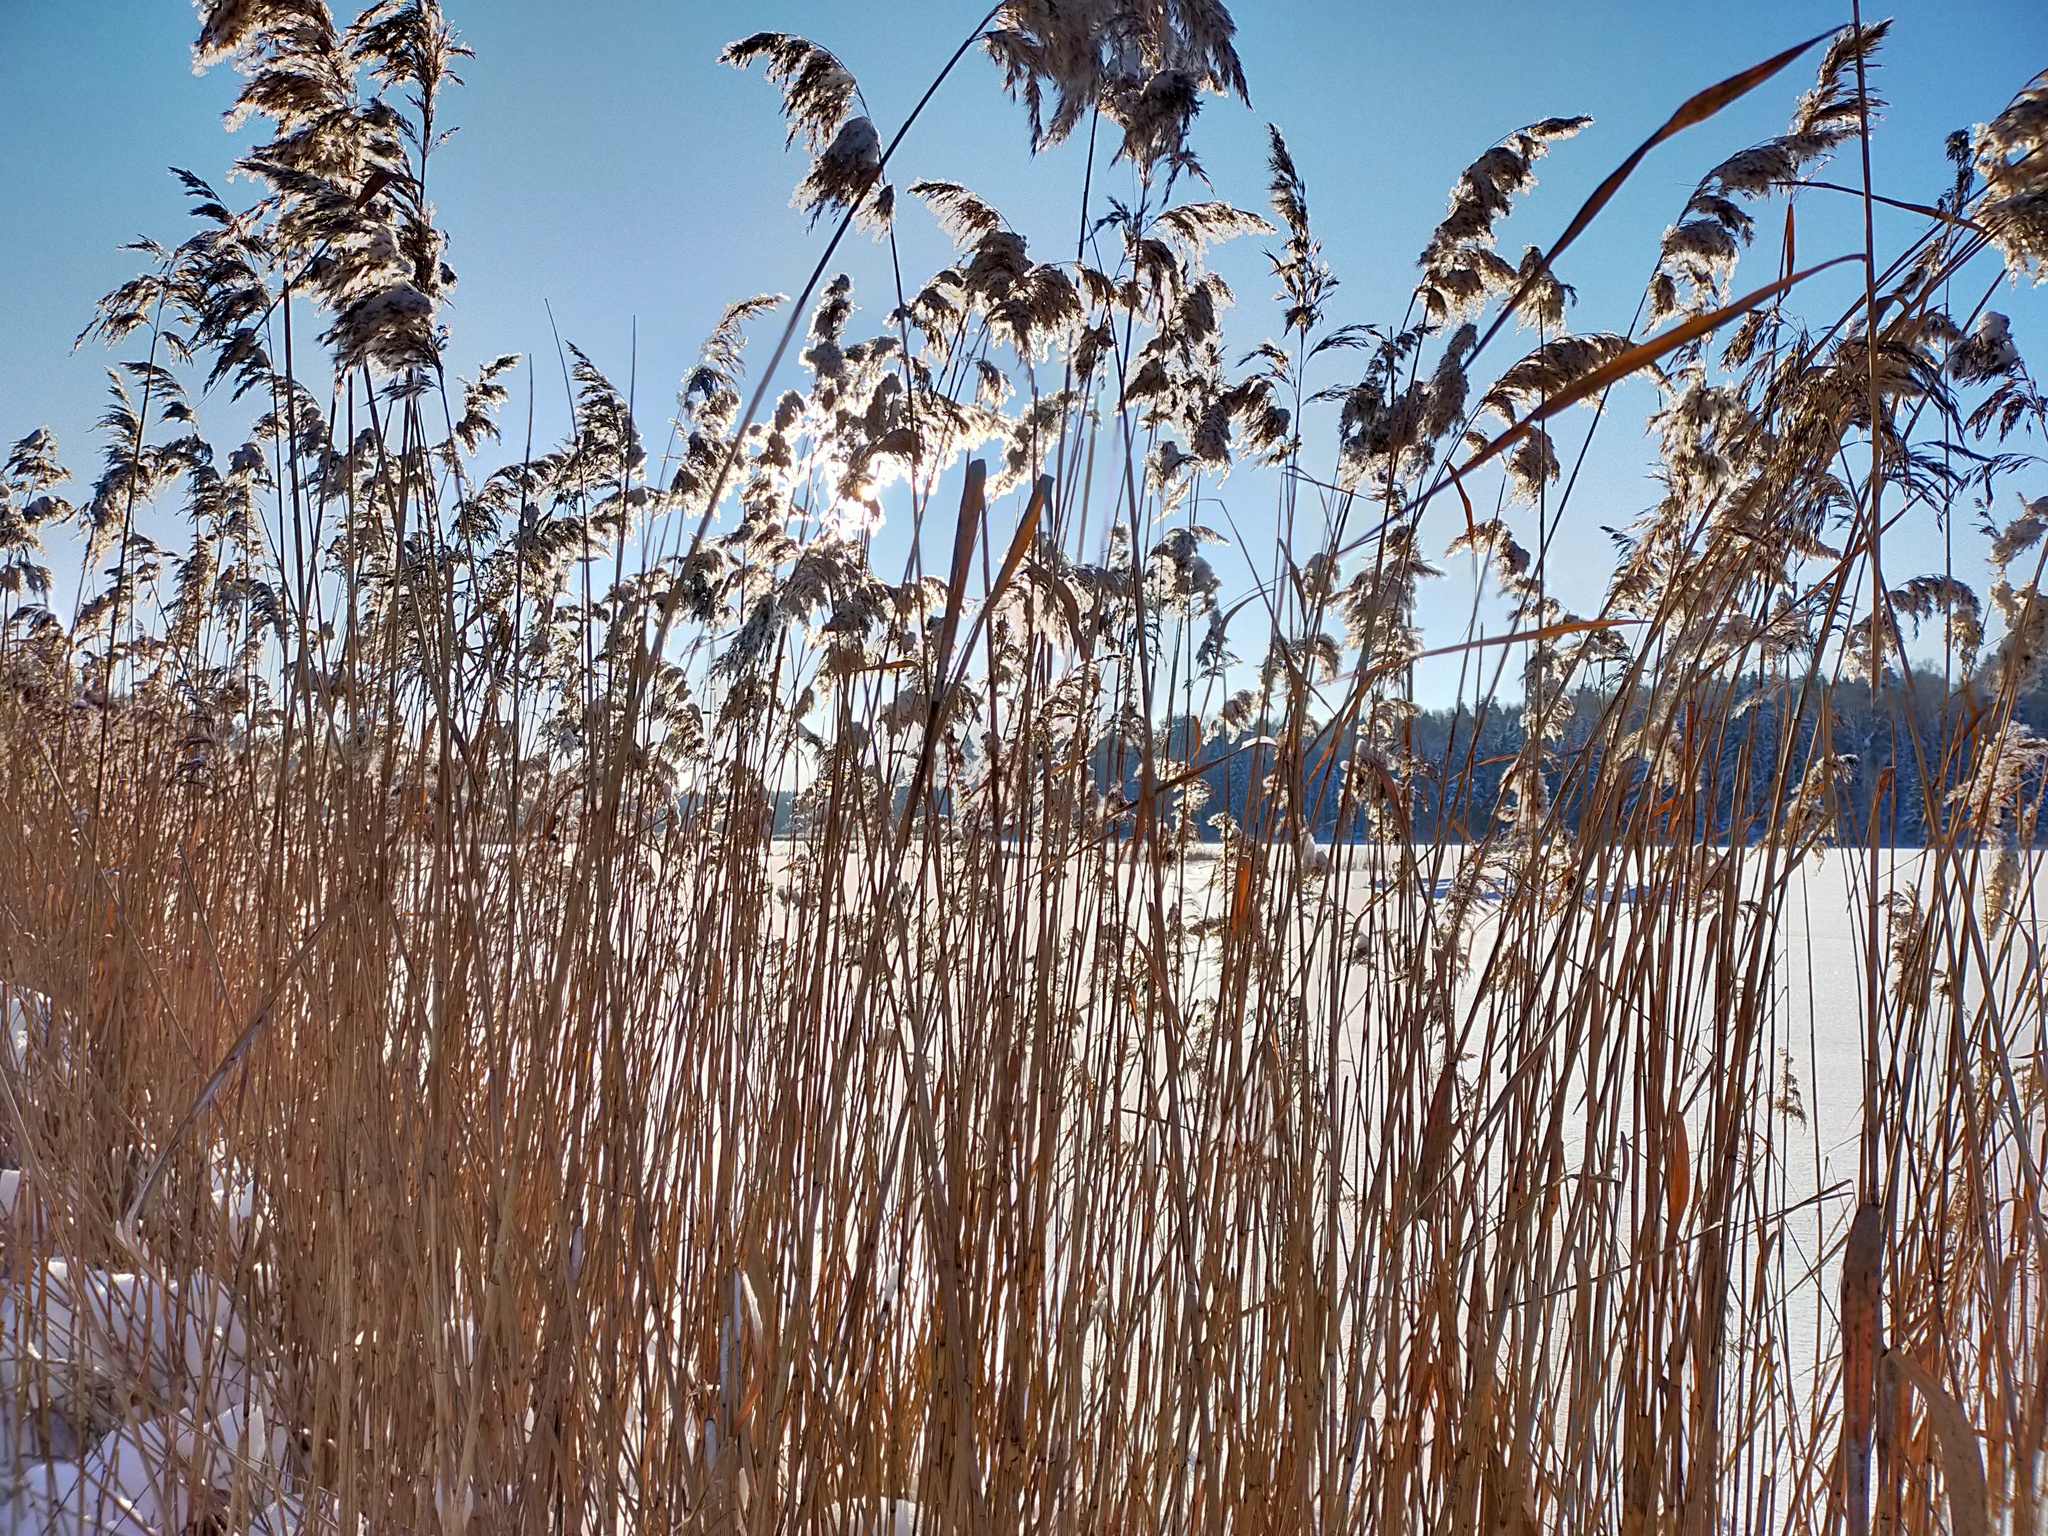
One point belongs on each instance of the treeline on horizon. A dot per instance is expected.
(1462, 761)
(1456, 783)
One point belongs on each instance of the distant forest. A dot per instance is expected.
(1460, 761)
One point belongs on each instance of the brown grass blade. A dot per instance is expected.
(1027, 529)
(972, 505)
(1939, 215)
(1241, 900)
(1528, 636)
(1020, 546)
(1962, 1463)
(1861, 1326)
(1695, 110)
(1678, 1173)
(1638, 357)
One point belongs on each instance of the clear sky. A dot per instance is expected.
(607, 166)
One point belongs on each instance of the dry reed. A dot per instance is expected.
(659, 1025)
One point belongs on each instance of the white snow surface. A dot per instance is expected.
(128, 1402)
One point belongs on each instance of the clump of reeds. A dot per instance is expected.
(658, 1024)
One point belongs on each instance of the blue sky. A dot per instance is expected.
(608, 167)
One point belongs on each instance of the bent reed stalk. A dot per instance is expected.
(714, 1037)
